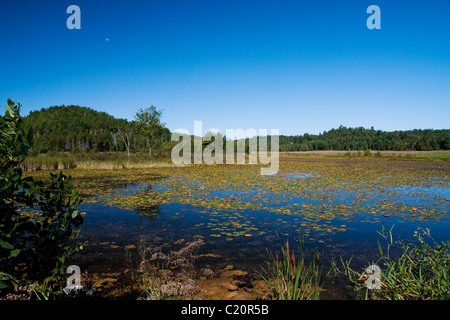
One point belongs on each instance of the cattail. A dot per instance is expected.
(293, 260)
(290, 264)
(293, 264)
(276, 256)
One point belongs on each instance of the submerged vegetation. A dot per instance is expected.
(331, 190)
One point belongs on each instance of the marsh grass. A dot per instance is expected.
(421, 271)
(294, 277)
(434, 155)
(440, 155)
(92, 160)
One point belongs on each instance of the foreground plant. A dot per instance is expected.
(33, 247)
(294, 278)
(168, 275)
(421, 271)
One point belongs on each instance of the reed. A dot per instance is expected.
(291, 276)
(92, 160)
(420, 272)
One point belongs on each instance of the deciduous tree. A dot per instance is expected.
(148, 123)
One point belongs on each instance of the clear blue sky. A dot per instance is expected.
(297, 66)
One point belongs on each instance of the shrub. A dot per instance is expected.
(33, 246)
(168, 275)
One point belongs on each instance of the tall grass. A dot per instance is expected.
(434, 155)
(421, 271)
(91, 160)
(293, 277)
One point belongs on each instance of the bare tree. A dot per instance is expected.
(125, 134)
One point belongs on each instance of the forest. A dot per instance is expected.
(82, 129)
(368, 139)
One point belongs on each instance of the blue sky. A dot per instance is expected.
(297, 66)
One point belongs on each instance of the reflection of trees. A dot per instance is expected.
(149, 211)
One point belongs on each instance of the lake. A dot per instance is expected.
(339, 204)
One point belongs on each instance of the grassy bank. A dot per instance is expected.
(120, 160)
(92, 160)
(442, 155)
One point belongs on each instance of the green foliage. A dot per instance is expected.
(80, 129)
(148, 123)
(294, 278)
(364, 139)
(71, 128)
(33, 247)
(421, 272)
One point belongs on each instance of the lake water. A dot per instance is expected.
(241, 237)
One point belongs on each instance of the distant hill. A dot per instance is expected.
(75, 128)
(62, 120)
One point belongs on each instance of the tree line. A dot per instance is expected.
(81, 129)
(368, 139)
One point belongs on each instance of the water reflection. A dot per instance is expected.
(149, 212)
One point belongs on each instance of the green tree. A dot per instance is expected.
(148, 123)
